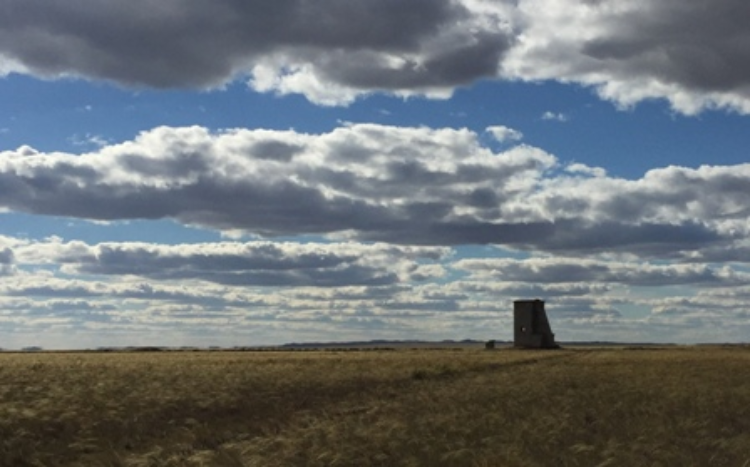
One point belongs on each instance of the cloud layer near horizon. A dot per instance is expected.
(687, 51)
(268, 290)
(396, 185)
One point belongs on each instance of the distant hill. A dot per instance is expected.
(384, 343)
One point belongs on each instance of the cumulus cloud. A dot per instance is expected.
(289, 46)
(384, 184)
(688, 52)
(489, 284)
(332, 51)
(576, 168)
(256, 264)
(7, 262)
(566, 270)
(504, 134)
(114, 294)
(401, 185)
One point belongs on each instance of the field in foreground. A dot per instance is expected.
(679, 406)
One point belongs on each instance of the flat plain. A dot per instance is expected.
(426, 407)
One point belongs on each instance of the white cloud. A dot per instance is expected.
(503, 134)
(88, 140)
(557, 117)
(582, 169)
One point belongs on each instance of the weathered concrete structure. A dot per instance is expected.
(531, 327)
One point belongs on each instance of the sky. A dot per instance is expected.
(245, 172)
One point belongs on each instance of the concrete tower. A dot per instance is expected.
(531, 328)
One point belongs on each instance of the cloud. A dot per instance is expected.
(255, 264)
(7, 262)
(481, 283)
(583, 169)
(557, 117)
(220, 289)
(88, 140)
(333, 51)
(116, 294)
(289, 46)
(684, 51)
(504, 134)
(384, 184)
(404, 185)
(569, 270)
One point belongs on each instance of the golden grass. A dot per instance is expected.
(580, 407)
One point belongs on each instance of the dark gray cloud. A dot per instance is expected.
(178, 43)
(253, 264)
(567, 270)
(582, 309)
(7, 262)
(113, 294)
(404, 186)
(689, 43)
(460, 63)
(693, 54)
(737, 252)
(352, 294)
(646, 239)
(542, 290)
(423, 305)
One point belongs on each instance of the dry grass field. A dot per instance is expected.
(574, 407)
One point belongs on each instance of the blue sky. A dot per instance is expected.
(248, 175)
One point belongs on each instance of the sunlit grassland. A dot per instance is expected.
(677, 406)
